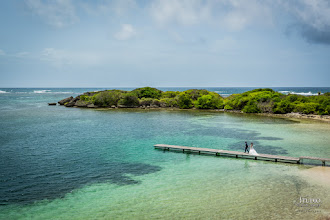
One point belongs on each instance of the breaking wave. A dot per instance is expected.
(41, 91)
(299, 93)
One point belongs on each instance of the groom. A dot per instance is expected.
(246, 147)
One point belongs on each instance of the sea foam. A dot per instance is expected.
(299, 93)
(41, 91)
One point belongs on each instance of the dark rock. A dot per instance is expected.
(81, 103)
(52, 103)
(72, 102)
(63, 101)
(69, 104)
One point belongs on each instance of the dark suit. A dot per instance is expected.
(246, 148)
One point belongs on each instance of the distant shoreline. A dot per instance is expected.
(265, 102)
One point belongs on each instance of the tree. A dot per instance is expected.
(147, 92)
(107, 98)
(129, 100)
(184, 101)
(209, 102)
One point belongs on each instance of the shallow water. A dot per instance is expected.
(70, 163)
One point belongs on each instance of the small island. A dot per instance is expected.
(265, 101)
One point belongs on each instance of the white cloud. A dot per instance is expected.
(315, 13)
(231, 14)
(2, 53)
(118, 7)
(58, 13)
(185, 12)
(126, 32)
(241, 13)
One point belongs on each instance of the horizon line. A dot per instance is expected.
(165, 87)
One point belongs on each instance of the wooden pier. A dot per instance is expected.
(227, 153)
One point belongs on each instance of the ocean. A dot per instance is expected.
(73, 163)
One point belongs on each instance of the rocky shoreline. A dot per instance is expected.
(77, 102)
(296, 115)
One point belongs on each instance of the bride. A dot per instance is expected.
(252, 150)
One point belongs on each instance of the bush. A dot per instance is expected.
(129, 100)
(251, 107)
(194, 94)
(87, 98)
(107, 98)
(228, 107)
(184, 101)
(147, 92)
(283, 107)
(209, 102)
(146, 101)
(306, 108)
(169, 102)
(170, 94)
(292, 98)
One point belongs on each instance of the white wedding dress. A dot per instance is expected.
(253, 151)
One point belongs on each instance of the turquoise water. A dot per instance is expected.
(70, 163)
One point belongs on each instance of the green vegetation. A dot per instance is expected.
(129, 100)
(147, 92)
(269, 101)
(255, 101)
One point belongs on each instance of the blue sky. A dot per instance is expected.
(131, 43)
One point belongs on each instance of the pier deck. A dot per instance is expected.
(237, 154)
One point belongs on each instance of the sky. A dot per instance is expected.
(164, 43)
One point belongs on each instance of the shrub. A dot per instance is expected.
(209, 102)
(169, 102)
(147, 92)
(170, 94)
(292, 98)
(306, 108)
(251, 107)
(184, 101)
(156, 102)
(107, 98)
(194, 94)
(146, 101)
(87, 99)
(228, 107)
(129, 100)
(283, 107)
